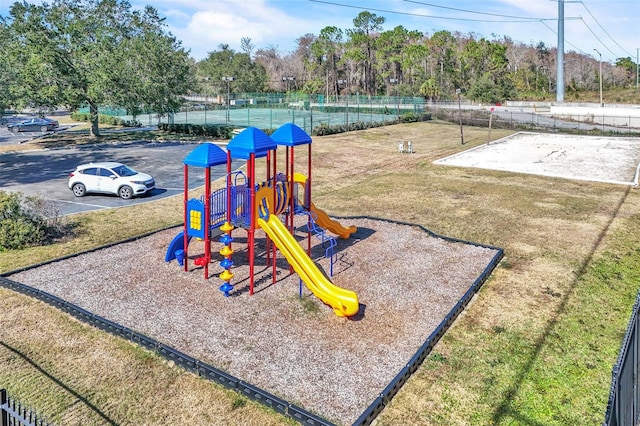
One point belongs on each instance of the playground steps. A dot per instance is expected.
(327, 241)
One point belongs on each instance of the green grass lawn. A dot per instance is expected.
(535, 347)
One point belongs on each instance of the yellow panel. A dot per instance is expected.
(195, 219)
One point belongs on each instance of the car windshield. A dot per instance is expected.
(124, 171)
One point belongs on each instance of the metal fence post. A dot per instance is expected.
(4, 414)
(635, 369)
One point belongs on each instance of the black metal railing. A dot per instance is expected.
(13, 413)
(624, 398)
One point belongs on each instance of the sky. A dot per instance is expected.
(610, 26)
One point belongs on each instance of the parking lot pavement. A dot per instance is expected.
(10, 138)
(46, 172)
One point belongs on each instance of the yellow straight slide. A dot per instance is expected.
(344, 302)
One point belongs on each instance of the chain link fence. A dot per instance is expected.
(609, 122)
(270, 111)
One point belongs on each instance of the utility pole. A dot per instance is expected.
(394, 81)
(560, 55)
(600, 74)
(287, 80)
(346, 100)
(228, 80)
(460, 117)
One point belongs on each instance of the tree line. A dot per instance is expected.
(91, 53)
(103, 52)
(367, 59)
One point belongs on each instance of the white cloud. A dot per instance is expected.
(210, 24)
(202, 25)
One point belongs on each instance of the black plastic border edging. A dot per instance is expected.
(185, 361)
(376, 407)
(230, 382)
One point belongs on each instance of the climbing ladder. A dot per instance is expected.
(328, 241)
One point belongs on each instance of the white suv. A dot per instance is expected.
(109, 178)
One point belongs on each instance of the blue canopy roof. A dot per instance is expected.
(206, 154)
(251, 141)
(290, 135)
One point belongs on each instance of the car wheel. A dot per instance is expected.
(125, 192)
(78, 189)
(43, 129)
(14, 130)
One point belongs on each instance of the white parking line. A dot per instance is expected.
(80, 204)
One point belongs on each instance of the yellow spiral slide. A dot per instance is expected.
(322, 218)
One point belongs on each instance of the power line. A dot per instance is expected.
(565, 40)
(605, 31)
(510, 18)
(598, 38)
(524, 20)
(475, 11)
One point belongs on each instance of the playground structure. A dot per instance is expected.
(244, 203)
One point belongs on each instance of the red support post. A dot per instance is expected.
(185, 241)
(273, 246)
(291, 200)
(252, 213)
(273, 184)
(229, 186)
(207, 223)
(307, 196)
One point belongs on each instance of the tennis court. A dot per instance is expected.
(304, 115)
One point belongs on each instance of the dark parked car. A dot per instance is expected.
(34, 125)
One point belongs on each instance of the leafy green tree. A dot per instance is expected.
(429, 89)
(327, 52)
(443, 66)
(629, 67)
(7, 74)
(154, 68)
(361, 46)
(248, 75)
(485, 68)
(486, 89)
(93, 52)
(401, 54)
(415, 56)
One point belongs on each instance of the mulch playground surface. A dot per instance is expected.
(290, 345)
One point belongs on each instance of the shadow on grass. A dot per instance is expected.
(60, 384)
(505, 410)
